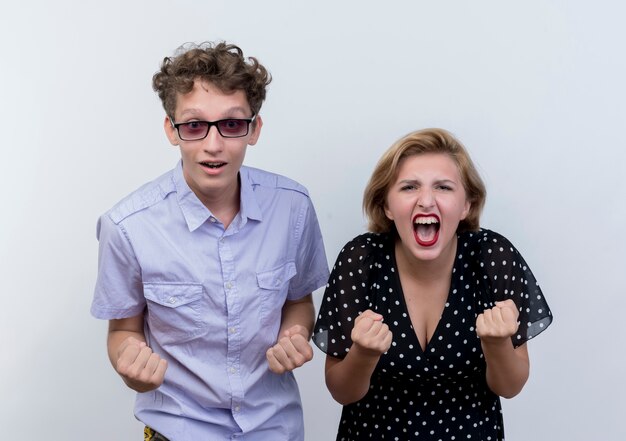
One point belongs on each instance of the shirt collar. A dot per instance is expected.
(196, 213)
(250, 208)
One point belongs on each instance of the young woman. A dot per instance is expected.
(425, 318)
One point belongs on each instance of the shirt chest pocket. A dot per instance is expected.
(273, 287)
(174, 311)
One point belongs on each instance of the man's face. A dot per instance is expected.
(211, 165)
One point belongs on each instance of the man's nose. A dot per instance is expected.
(214, 142)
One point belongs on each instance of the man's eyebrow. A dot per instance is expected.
(230, 111)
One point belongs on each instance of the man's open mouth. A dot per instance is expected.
(212, 165)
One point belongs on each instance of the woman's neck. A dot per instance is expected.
(426, 272)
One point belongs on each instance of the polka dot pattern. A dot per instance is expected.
(439, 393)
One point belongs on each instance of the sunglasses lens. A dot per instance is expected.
(232, 128)
(193, 130)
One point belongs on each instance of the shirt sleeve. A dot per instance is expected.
(119, 289)
(311, 263)
(508, 277)
(346, 296)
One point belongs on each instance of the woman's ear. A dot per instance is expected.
(466, 209)
(388, 212)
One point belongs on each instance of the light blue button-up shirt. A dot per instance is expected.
(212, 300)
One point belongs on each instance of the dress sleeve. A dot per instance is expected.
(345, 297)
(509, 277)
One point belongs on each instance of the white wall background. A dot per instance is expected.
(535, 89)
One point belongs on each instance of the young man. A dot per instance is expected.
(206, 273)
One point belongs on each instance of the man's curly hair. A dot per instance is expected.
(222, 65)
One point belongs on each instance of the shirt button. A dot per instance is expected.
(229, 285)
(212, 219)
(237, 408)
(232, 330)
(232, 370)
(172, 300)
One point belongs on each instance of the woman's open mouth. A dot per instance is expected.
(426, 229)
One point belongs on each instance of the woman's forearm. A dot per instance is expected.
(348, 380)
(507, 367)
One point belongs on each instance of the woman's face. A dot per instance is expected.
(426, 203)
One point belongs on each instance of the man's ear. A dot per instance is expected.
(170, 131)
(256, 130)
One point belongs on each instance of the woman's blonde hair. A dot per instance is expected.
(416, 143)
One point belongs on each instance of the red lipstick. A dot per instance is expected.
(426, 233)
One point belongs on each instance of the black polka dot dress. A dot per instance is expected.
(439, 393)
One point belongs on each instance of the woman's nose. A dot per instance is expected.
(425, 198)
